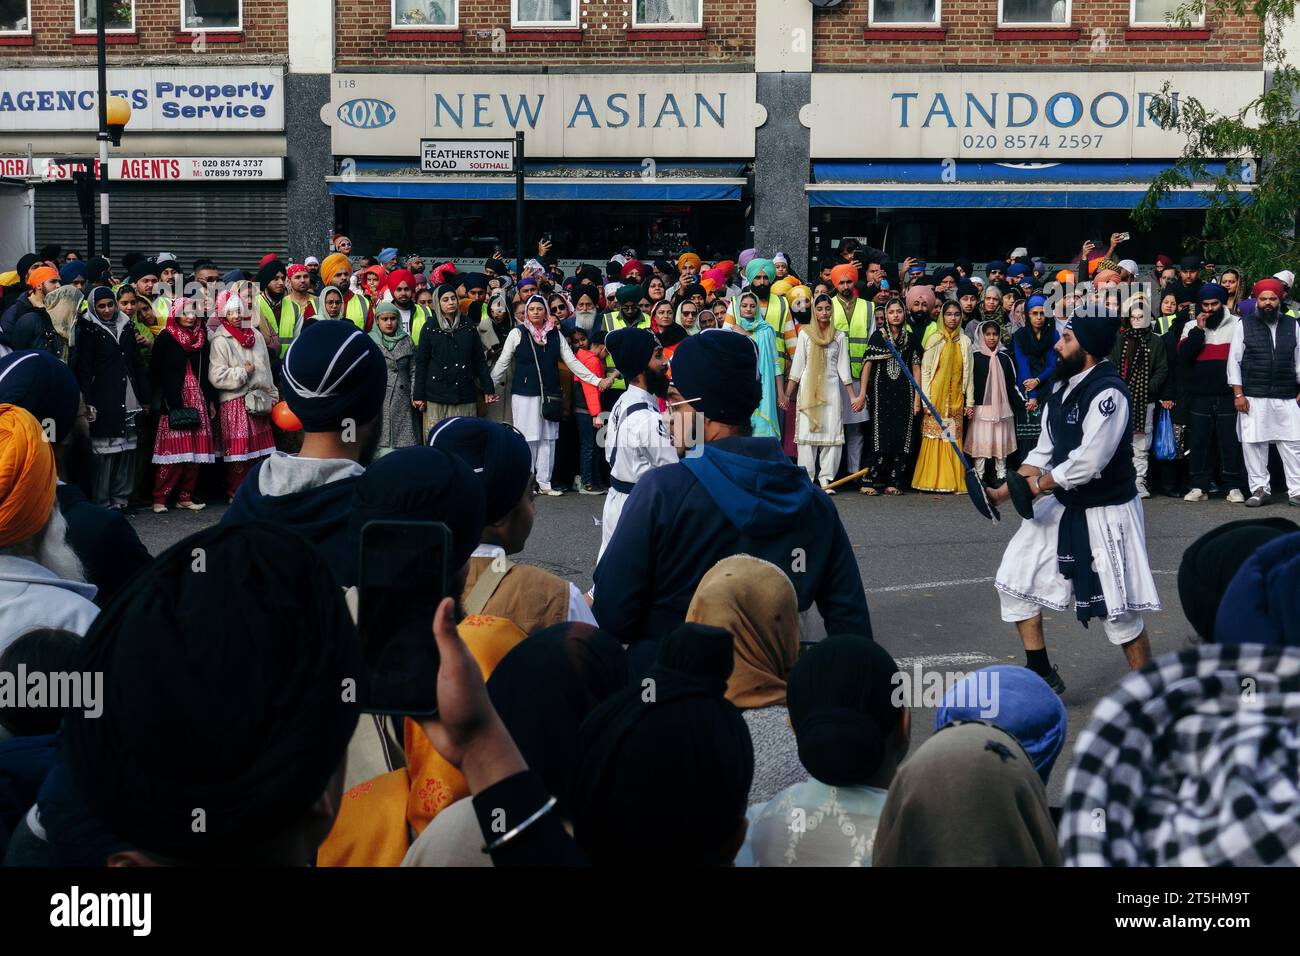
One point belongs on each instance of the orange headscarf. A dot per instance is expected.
(27, 476)
(378, 819)
(841, 271)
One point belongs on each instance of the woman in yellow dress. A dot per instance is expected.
(947, 381)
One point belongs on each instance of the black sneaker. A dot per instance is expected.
(1053, 679)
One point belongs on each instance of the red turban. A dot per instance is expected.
(632, 266)
(1268, 285)
(398, 276)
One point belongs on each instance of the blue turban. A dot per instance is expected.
(755, 266)
(72, 271)
(44, 386)
(334, 372)
(1019, 269)
(496, 453)
(386, 255)
(1212, 290)
(1096, 331)
(1036, 301)
(631, 348)
(999, 264)
(1020, 703)
(1262, 604)
(717, 372)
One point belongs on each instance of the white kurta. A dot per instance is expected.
(1029, 574)
(527, 409)
(1269, 419)
(835, 378)
(642, 442)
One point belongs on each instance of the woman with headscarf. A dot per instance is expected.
(992, 432)
(397, 423)
(820, 371)
(655, 290)
(329, 304)
(115, 385)
(969, 796)
(451, 369)
(542, 690)
(893, 403)
(186, 404)
(852, 734)
(1231, 281)
(664, 327)
(766, 420)
(754, 601)
(499, 316)
(63, 306)
(688, 316)
(240, 371)
(946, 378)
(1033, 348)
(1139, 355)
(531, 357)
(990, 310)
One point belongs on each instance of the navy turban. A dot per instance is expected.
(1211, 562)
(72, 271)
(1212, 290)
(1262, 604)
(334, 372)
(1096, 331)
(1020, 703)
(998, 264)
(421, 484)
(44, 386)
(631, 349)
(496, 453)
(717, 372)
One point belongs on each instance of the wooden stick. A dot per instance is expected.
(847, 478)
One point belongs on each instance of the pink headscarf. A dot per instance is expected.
(995, 407)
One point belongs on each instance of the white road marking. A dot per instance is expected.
(938, 661)
(931, 585)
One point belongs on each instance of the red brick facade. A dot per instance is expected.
(969, 36)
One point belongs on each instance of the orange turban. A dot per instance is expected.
(1065, 275)
(334, 264)
(709, 284)
(727, 266)
(1106, 277)
(690, 257)
(40, 275)
(27, 476)
(841, 271)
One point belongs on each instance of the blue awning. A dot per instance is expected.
(1138, 172)
(597, 190)
(949, 197)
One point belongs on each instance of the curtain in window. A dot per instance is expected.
(13, 14)
(1153, 11)
(668, 11)
(545, 11)
(431, 12)
(903, 11)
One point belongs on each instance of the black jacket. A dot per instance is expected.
(103, 365)
(450, 367)
(33, 330)
(104, 540)
(167, 372)
(981, 378)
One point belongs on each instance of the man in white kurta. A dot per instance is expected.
(1263, 371)
(1029, 578)
(819, 429)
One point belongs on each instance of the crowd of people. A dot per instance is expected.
(728, 393)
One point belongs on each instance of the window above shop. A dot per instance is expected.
(668, 13)
(544, 13)
(1047, 13)
(425, 14)
(891, 13)
(1163, 13)
(203, 15)
(15, 16)
(119, 16)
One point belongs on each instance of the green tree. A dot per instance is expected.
(1255, 194)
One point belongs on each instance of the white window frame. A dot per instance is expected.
(571, 23)
(206, 29)
(76, 13)
(1133, 21)
(21, 33)
(426, 27)
(1037, 24)
(901, 24)
(696, 25)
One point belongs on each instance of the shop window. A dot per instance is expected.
(14, 16)
(903, 12)
(668, 13)
(197, 15)
(119, 16)
(1036, 12)
(424, 13)
(1162, 13)
(544, 13)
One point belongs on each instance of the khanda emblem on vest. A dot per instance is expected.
(1072, 417)
(1107, 406)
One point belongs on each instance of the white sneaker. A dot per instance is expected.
(159, 509)
(1196, 494)
(1142, 490)
(1235, 496)
(549, 491)
(192, 505)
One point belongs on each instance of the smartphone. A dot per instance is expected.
(1124, 237)
(403, 574)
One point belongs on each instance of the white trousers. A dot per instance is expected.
(1142, 445)
(543, 454)
(830, 461)
(614, 501)
(854, 438)
(1256, 455)
(999, 467)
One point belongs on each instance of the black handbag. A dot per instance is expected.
(183, 419)
(552, 402)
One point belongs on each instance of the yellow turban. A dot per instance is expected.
(334, 263)
(799, 291)
(27, 476)
(782, 287)
(690, 257)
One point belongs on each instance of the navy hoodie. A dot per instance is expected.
(738, 496)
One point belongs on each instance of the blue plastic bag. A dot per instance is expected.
(1166, 446)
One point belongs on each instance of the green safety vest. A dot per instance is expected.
(356, 309)
(856, 328)
(286, 326)
(611, 321)
(419, 316)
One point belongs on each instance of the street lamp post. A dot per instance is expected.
(114, 113)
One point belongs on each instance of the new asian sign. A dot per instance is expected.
(1025, 115)
(181, 99)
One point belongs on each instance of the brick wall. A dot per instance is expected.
(969, 40)
(158, 37)
(364, 38)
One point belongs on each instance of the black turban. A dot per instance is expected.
(693, 289)
(269, 271)
(632, 349)
(473, 280)
(666, 765)
(97, 269)
(717, 372)
(964, 287)
(40, 383)
(840, 697)
(144, 267)
(1096, 330)
(334, 372)
(25, 263)
(1212, 560)
(246, 723)
(1188, 263)
(496, 453)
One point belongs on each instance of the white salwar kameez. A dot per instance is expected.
(822, 437)
(1269, 421)
(527, 409)
(1029, 578)
(642, 442)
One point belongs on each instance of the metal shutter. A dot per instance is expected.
(234, 225)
